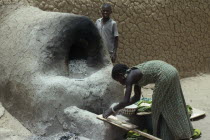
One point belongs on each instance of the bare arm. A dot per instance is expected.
(121, 104)
(116, 38)
(137, 94)
(126, 100)
(131, 79)
(114, 55)
(116, 43)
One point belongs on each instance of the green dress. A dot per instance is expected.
(170, 119)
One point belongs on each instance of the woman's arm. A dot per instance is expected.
(121, 104)
(137, 94)
(132, 78)
(126, 100)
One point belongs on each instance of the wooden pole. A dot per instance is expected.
(145, 134)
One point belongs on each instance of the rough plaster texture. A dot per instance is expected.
(86, 123)
(35, 85)
(176, 31)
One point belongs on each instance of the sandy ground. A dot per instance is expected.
(11, 128)
(197, 94)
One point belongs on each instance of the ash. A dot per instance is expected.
(78, 68)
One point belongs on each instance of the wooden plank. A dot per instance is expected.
(115, 121)
(146, 135)
(196, 113)
(126, 126)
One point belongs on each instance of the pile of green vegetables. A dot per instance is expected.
(189, 110)
(142, 108)
(131, 135)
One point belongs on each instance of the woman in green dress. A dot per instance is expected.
(170, 119)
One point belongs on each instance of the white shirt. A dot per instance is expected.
(108, 31)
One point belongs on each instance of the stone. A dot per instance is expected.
(80, 121)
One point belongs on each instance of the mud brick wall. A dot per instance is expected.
(175, 31)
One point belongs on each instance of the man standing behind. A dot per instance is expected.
(108, 30)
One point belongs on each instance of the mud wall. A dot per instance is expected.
(176, 31)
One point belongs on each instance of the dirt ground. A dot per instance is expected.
(197, 94)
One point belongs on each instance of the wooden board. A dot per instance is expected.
(119, 123)
(196, 113)
(126, 125)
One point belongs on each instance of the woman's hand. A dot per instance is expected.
(107, 113)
